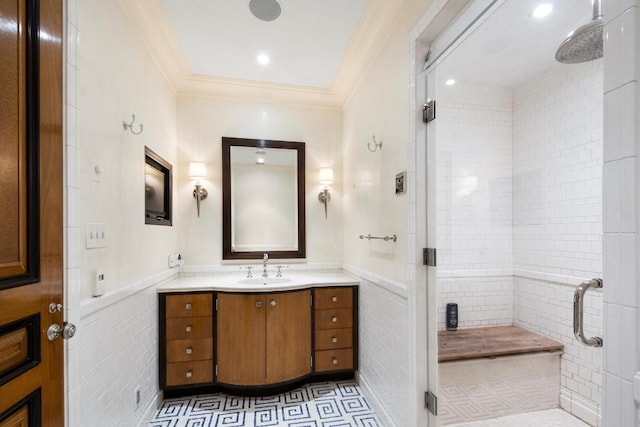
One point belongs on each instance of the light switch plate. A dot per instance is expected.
(96, 236)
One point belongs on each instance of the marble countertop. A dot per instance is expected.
(236, 282)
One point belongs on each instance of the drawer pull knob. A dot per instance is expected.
(334, 339)
(188, 328)
(334, 298)
(189, 350)
(189, 374)
(334, 361)
(334, 319)
(187, 306)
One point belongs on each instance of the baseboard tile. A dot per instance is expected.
(371, 396)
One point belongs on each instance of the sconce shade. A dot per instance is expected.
(197, 170)
(325, 177)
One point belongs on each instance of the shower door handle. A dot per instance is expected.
(578, 312)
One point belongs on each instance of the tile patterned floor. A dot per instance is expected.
(548, 418)
(327, 404)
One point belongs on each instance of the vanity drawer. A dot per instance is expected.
(189, 372)
(334, 360)
(334, 318)
(334, 338)
(189, 305)
(180, 328)
(188, 350)
(333, 298)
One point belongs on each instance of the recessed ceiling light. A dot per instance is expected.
(263, 59)
(542, 10)
(450, 82)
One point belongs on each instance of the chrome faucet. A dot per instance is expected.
(265, 259)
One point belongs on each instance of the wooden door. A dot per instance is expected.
(241, 339)
(288, 345)
(31, 221)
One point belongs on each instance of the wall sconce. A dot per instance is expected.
(198, 171)
(325, 177)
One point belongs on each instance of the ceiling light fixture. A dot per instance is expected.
(265, 10)
(263, 59)
(542, 10)
(450, 82)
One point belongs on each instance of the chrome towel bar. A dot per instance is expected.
(578, 312)
(385, 238)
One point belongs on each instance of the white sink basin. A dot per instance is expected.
(264, 281)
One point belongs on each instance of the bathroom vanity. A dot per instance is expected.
(256, 338)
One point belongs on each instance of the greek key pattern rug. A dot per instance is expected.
(327, 404)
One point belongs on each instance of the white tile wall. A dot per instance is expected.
(384, 340)
(118, 351)
(621, 202)
(557, 164)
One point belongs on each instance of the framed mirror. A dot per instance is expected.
(263, 199)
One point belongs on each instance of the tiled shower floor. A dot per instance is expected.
(327, 404)
(548, 418)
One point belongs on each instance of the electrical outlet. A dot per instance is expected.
(99, 283)
(96, 236)
(137, 396)
(175, 260)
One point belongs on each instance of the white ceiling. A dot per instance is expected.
(512, 46)
(306, 44)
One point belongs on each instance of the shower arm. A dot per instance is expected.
(578, 313)
(597, 9)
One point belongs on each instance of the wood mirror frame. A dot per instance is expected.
(227, 226)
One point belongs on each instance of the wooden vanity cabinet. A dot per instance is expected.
(263, 338)
(256, 343)
(186, 352)
(335, 329)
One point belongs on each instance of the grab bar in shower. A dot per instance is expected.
(385, 238)
(578, 312)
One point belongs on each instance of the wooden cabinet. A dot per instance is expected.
(264, 338)
(187, 348)
(335, 316)
(256, 342)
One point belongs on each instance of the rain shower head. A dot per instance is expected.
(585, 43)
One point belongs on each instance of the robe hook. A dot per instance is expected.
(129, 126)
(376, 145)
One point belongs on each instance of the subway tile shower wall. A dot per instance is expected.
(557, 220)
(474, 207)
(519, 213)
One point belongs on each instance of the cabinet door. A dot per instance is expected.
(288, 345)
(241, 339)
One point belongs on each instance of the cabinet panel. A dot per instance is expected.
(334, 318)
(188, 350)
(334, 360)
(241, 339)
(189, 328)
(189, 372)
(334, 338)
(333, 298)
(189, 305)
(288, 345)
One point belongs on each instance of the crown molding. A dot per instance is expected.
(154, 27)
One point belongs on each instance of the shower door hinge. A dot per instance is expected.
(429, 257)
(431, 402)
(429, 111)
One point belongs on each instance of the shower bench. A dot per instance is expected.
(496, 371)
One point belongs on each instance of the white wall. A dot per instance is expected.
(202, 122)
(381, 106)
(557, 220)
(109, 76)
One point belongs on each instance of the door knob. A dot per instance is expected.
(273, 303)
(55, 330)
